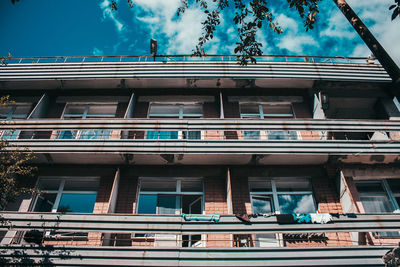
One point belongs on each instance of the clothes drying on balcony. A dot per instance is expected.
(320, 218)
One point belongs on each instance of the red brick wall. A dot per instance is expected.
(240, 195)
(215, 203)
(126, 203)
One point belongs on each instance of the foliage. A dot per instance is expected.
(14, 163)
(396, 9)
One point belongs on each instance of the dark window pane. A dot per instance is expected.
(147, 204)
(45, 202)
(192, 135)
(293, 184)
(191, 204)
(394, 185)
(249, 109)
(49, 184)
(370, 187)
(81, 185)
(296, 203)
(157, 185)
(260, 185)
(77, 203)
(192, 185)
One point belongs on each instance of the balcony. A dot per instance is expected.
(151, 141)
(219, 248)
(165, 71)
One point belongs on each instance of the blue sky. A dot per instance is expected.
(76, 27)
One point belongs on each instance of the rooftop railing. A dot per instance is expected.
(180, 58)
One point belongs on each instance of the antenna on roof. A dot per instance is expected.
(153, 48)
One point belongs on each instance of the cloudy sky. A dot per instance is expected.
(76, 27)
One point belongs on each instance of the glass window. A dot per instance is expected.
(15, 111)
(77, 203)
(380, 197)
(87, 111)
(284, 195)
(179, 111)
(67, 195)
(170, 195)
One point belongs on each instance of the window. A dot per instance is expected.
(76, 195)
(87, 111)
(284, 195)
(380, 196)
(179, 111)
(264, 111)
(171, 196)
(281, 195)
(14, 111)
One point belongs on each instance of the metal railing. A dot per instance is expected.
(126, 239)
(172, 58)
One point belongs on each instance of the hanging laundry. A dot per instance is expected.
(201, 217)
(320, 218)
(303, 218)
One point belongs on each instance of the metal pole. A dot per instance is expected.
(376, 48)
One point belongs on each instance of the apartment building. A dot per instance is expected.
(191, 162)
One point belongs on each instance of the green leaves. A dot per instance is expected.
(396, 9)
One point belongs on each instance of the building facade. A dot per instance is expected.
(184, 161)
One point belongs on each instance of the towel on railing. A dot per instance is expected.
(201, 217)
(303, 218)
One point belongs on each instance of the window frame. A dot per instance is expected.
(180, 115)
(104, 134)
(178, 192)
(14, 134)
(387, 190)
(265, 135)
(274, 193)
(60, 191)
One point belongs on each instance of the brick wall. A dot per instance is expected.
(215, 203)
(126, 203)
(240, 195)
(141, 109)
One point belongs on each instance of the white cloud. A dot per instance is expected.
(160, 17)
(377, 17)
(338, 26)
(292, 39)
(97, 52)
(109, 14)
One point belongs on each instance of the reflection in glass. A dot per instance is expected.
(162, 135)
(167, 204)
(77, 203)
(251, 135)
(282, 135)
(376, 204)
(95, 134)
(262, 204)
(296, 203)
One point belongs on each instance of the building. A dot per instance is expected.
(125, 145)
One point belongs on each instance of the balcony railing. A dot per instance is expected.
(219, 249)
(207, 136)
(174, 58)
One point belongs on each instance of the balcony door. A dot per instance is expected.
(172, 196)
